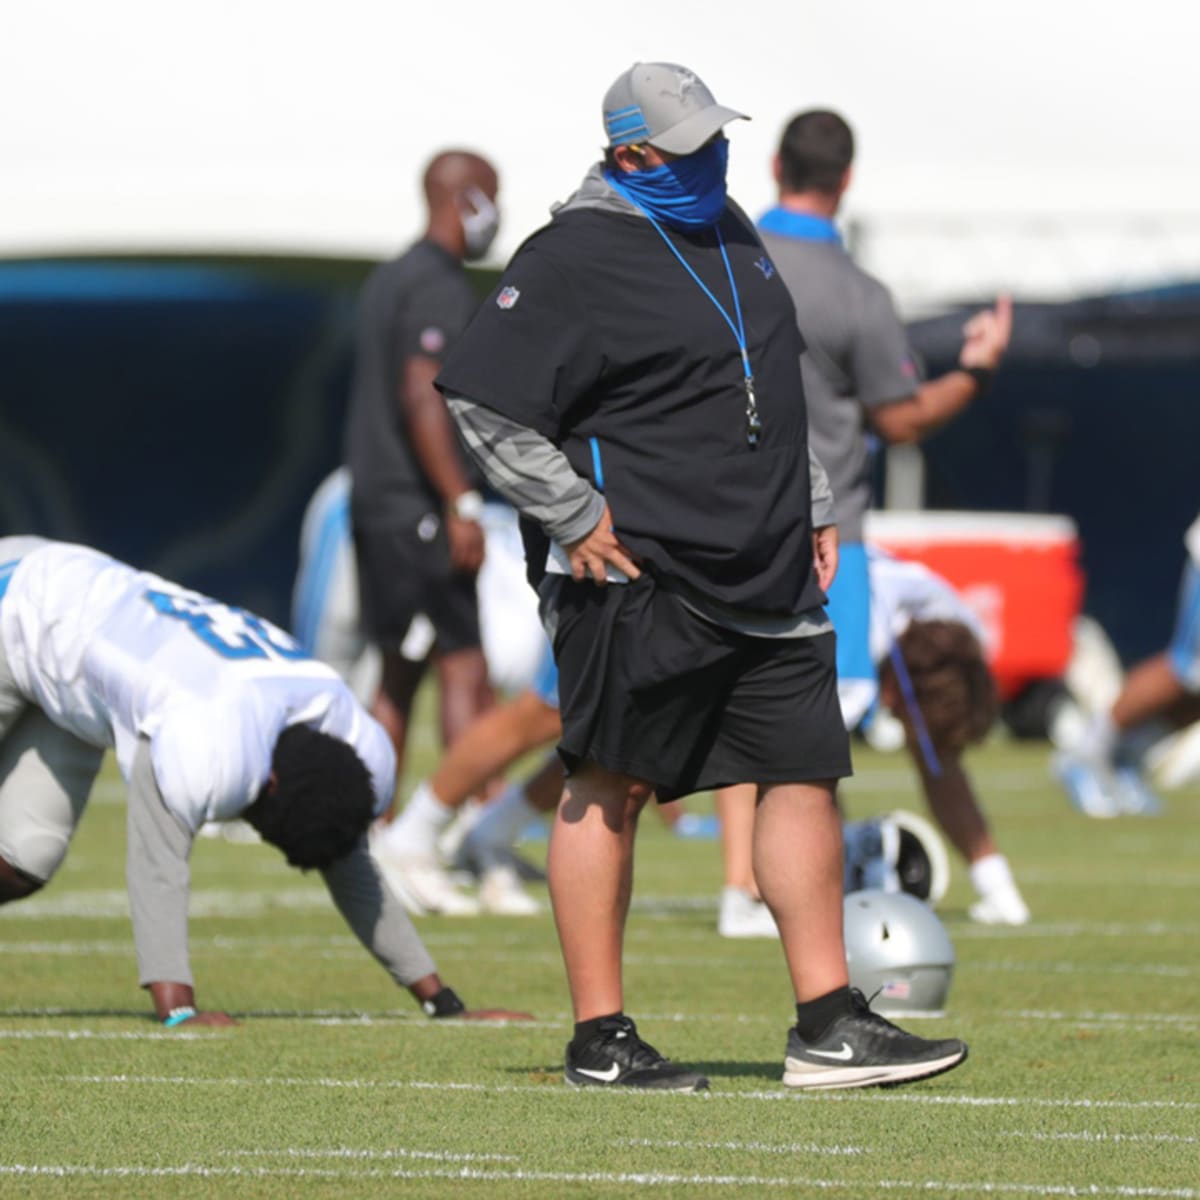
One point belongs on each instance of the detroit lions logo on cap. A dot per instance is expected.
(685, 80)
(765, 265)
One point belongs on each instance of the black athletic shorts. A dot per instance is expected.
(404, 569)
(652, 690)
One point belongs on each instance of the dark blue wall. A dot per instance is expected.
(1096, 414)
(178, 414)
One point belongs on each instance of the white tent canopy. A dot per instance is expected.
(265, 125)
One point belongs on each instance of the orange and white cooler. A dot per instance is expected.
(1019, 572)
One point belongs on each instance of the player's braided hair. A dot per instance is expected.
(322, 800)
(951, 682)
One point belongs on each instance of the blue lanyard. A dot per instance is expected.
(753, 422)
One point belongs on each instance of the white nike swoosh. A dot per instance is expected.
(604, 1076)
(845, 1054)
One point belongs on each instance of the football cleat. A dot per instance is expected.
(1001, 907)
(421, 883)
(741, 916)
(1088, 785)
(1134, 795)
(501, 892)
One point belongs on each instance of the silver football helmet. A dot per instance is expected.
(899, 953)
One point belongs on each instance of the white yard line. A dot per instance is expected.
(556, 1092)
(1076, 929)
(1184, 1020)
(1007, 966)
(372, 1155)
(648, 1178)
(748, 1147)
(1154, 1138)
(84, 1035)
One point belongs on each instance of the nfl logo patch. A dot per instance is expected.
(433, 340)
(508, 297)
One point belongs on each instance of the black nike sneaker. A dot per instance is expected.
(617, 1057)
(861, 1049)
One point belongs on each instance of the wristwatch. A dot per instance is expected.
(468, 506)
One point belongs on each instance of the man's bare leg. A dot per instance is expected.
(464, 691)
(590, 870)
(392, 706)
(494, 740)
(798, 865)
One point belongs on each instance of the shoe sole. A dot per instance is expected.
(582, 1081)
(810, 1077)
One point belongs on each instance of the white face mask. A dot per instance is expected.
(480, 222)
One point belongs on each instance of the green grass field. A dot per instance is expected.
(1084, 1075)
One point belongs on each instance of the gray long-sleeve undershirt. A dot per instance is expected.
(539, 481)
(536, 477)
(158, 876)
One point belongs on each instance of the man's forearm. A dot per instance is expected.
(431, 431)
(377, 917)
(927, 410)
(529, 471)
(820, 491)
(157, 872)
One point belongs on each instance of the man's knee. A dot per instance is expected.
(16, 884)
(620, 797)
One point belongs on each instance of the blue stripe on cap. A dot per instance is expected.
(626, 124)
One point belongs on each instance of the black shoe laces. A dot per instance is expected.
(862, 1009)
(619, 1038)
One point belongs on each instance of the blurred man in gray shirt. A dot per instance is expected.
(859, 374)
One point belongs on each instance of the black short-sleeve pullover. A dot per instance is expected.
(413, 306)
(600, 339)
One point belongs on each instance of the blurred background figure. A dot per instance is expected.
(1104, 774)
(327, 616)
(415, 503)
(926, 643)
(861, 380)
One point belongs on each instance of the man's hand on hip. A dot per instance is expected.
(825, 555)
(591, 556)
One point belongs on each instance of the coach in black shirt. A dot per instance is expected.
(633, 386)
(415, 500)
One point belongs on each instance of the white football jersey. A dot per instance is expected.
(111, 653)
(904, 591)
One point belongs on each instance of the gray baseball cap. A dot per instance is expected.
(666, 105)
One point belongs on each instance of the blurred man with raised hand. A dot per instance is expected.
(860, 376)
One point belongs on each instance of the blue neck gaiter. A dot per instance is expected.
(688, 193)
